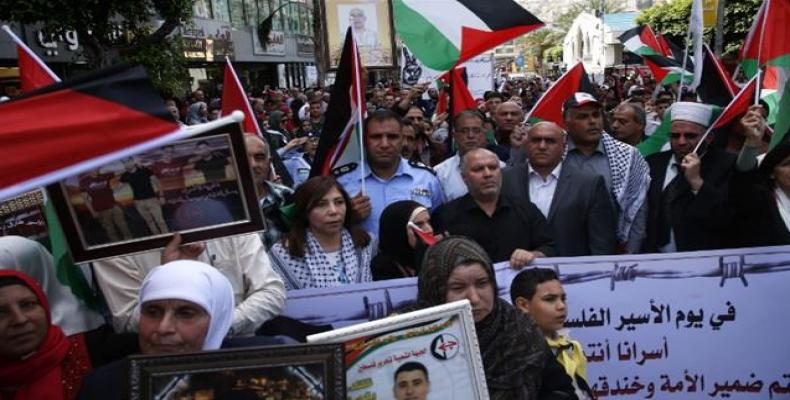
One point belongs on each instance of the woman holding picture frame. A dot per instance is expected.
(517, 361)
(324, 248)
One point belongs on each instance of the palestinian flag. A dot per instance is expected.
(643, 41)
(767, 41)
(716, 86)
(460, 98)
(549, 106)
(667, 47)
(738, 106)
(90, 121)
(667, 70)
(234, 98)
(33, 72)
(342, 133)
(445, 33)
(782, 114)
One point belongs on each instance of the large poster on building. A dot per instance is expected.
(479, 71)
(371, 22)
(696, 325)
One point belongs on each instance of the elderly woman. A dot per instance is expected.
(400, 251)
(68, 312)
(323, 248)
(37, 360)
(517, 361)
(185, 306)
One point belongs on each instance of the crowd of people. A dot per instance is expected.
(438, 197)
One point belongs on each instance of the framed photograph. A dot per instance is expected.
(309, 372)
(24, 216)
(201, 187)
(372, 24)
(431, 353)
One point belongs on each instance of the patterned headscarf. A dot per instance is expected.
(513, 349)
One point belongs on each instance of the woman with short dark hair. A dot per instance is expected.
(323, 248)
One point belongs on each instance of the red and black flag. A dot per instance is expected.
(76, 125)
(444, 33)
(549, 106)
(668, 70)
(642, 40)
(716, 86)
(460, 98)
(341, 136)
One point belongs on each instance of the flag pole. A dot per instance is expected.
(685, 61)
(360, 121)
(32, 54)
(760, 51)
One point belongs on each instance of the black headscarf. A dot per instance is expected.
(513, 349)
(393, 239)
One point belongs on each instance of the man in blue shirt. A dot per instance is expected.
(388, 177)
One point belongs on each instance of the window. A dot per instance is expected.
(251, 11)
(202, 9)
(237, 13)
(220, 9)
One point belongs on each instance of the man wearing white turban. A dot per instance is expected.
(687, 200)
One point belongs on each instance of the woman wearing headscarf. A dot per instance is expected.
(68, 312)
(185, 306)
(760, 194)
(197, 113)
(323, 248)
(400, 250)
(37, 360)
(517, 361)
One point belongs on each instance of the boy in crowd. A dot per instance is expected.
(539, 293)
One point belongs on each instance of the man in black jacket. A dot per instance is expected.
(688, 196)
(507, 230)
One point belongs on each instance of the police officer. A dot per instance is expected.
(388, 177)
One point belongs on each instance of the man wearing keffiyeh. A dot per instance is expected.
(624, 170)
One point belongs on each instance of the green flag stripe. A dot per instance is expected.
(426, 42)
(783, 118)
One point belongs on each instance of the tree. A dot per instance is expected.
(672, 20)
(113, 31)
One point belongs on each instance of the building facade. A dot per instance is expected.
(219, 29)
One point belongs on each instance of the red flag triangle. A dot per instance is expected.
(234, 98)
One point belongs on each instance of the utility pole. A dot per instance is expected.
(719, 39)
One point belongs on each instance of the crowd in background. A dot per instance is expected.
(488, 185)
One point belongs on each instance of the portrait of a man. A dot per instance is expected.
(371, 25)
(411, 382)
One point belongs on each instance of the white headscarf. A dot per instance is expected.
(32, 258)
(198, 283)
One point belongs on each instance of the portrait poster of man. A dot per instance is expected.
(371, 23)
(428, 359)
(200, 187)
(304, 382)
(304, 372)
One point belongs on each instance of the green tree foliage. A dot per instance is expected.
(672, 19)
(112, 31)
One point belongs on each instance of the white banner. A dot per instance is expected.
(479, 71)
(696, 325)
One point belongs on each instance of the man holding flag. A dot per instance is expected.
(387, 177)
(689, 190)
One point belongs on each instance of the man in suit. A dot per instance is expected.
(575, 202)
(688, 196)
